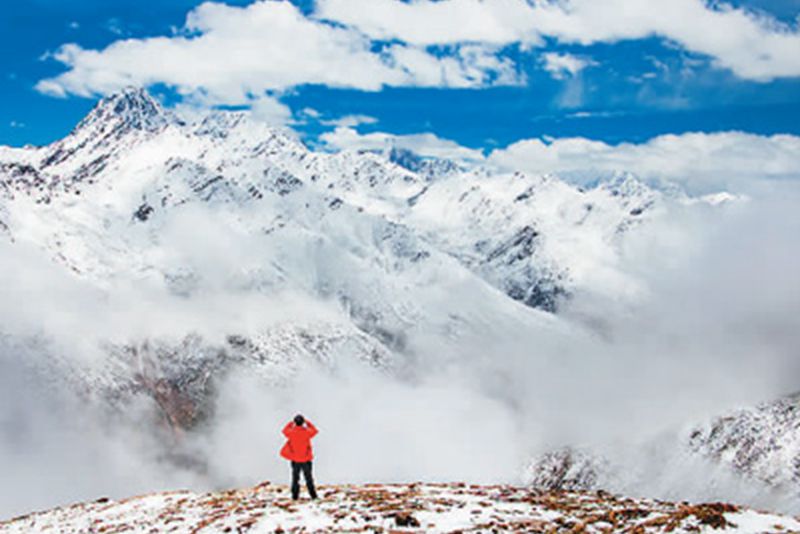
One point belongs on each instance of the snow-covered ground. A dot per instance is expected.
(414, 507)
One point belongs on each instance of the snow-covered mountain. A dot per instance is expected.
(131, 162)
(191, 249)
(369, 231)
(534, 237)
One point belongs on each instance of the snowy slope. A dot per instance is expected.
(398, 508)
(533, 237)
(135, 197)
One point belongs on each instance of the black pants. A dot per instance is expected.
(305, 467)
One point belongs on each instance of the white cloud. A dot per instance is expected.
(752, 45)
(701, 161)
(592, 114)
(424, 144)
(444, 22)
(271, 111)
(469, 66)
(230, 54)
(310, 112)
(350, 121)
(114, 25)
(51, 88)
(562, 66)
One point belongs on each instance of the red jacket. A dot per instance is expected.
(298, 446)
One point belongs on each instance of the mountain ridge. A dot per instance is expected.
(432, 507)
(242, 159)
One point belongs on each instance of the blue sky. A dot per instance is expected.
(619, 90)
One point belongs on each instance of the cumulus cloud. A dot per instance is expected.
(349, 121)
(561, 66)
(752, 45)
(230, 54)
(424, 144)
(700, 161)
(430, 23)
(271, 110)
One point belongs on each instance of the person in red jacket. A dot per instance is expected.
(298, 451)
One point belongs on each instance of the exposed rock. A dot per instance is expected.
(761, 442)
(565, 469)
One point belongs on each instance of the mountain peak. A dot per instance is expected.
(132, 108)
(623, 184)
(426, 166)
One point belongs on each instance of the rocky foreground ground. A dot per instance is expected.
(397, 508)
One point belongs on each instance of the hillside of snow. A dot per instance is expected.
(145, 211)
(130, 166)
(398, 508)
